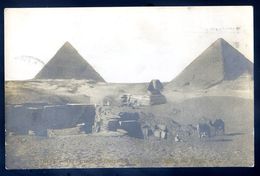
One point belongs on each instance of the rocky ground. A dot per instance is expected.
(91, 151)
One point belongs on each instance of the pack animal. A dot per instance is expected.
(203, 130)
(219, 126)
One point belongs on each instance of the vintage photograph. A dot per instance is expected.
(130, 87)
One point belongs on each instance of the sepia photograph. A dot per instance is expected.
(129, 87)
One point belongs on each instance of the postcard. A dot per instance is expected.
(129, 87)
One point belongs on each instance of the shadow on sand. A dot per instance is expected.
(221, 140)
(234, 134)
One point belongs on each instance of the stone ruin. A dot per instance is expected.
(154, 96)
(107, 120)
(72, 119)
(103, 119)
(37, 119)
(160, 131)
(154, 89)
(129, 122)
(134, 101)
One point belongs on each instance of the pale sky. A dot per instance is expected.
(123, 44)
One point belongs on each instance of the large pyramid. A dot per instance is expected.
(68, 64)
(219, 62)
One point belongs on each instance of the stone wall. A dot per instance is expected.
(20, 119)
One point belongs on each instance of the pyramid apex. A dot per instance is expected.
(67, 43)
(220, 41)
(67, 47)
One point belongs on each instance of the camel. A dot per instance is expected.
(219, 126)
(209, 129)
(203, 130)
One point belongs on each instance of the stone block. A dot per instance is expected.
(163, 135)
(132, 127)
(157, 133)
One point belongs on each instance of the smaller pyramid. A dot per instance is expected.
(67, 63)
(219, 62)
